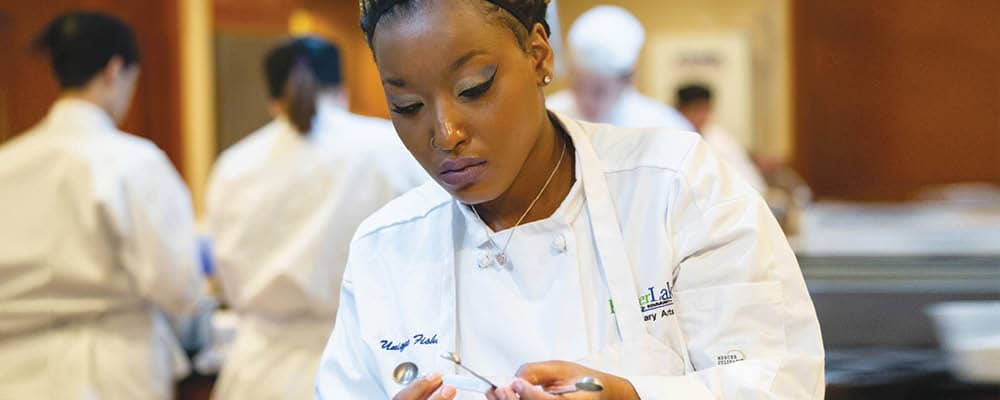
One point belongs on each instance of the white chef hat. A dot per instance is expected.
(606, 40)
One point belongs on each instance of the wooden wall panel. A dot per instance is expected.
(29, 87)
(896, 95)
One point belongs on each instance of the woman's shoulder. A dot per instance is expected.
(687, 160)
(118, 153)
(410, 212)
(622, 149)
(248, 153)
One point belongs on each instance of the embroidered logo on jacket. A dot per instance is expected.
(654, 299)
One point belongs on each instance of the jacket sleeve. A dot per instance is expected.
(346, 368)
(749, 324)
(157, 237)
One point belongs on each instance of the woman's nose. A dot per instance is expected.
(448, 132)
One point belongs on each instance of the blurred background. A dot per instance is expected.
(875, 124)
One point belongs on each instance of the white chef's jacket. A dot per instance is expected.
(97, 241)
(707, 296)
(633, 110)
(282, 208)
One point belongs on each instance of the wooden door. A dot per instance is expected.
(892, 96)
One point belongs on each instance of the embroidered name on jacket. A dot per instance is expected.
(418, 340)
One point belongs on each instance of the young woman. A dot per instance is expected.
(549, 249)
(282, 206)
(97, 239)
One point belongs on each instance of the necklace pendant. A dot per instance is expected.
(501, 259)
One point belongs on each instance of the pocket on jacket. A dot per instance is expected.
(729, 324)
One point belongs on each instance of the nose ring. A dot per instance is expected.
(435, 146)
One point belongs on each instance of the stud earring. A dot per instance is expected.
(547, 80)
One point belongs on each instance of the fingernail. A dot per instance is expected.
(448, 392)
(518, 386)
(433, 377)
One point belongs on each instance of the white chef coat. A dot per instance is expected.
(282, 208)
(633, 110)
(733, 153)
(97, 241)
(707, 296)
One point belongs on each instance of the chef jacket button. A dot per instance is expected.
(485, 260)
(559, 244)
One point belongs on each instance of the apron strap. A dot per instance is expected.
(608, 237)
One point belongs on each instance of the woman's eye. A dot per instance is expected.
(478, 90)
(407, 109)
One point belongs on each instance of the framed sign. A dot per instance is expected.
(720, 61)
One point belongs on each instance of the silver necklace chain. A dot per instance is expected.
(501, 258)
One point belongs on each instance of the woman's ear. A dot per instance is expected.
(542, 55)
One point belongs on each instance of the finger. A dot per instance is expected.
(444, 392)
(547, 374)
(527, 391)
(505, 393)
(500, 393)
(420, 388)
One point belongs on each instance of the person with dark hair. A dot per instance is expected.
(296, 73)
(694, 101)
(281, 208)
(95, 58)
(551, 254)
(604, 46)
(97, 243)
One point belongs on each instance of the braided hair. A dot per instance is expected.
(520, 16)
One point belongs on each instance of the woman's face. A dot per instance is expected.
(454, 75)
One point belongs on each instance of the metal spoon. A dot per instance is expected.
(585, 384)
(458, 361)
(405, 373)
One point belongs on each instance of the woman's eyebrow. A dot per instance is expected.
(465, 58)
(459, 62)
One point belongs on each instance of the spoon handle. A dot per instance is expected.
(564, 390)
(492, 386)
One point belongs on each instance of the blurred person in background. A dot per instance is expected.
(97, 240)
(283, 204)
(604, 45)
(694, 101)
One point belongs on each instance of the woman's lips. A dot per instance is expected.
(462, 171)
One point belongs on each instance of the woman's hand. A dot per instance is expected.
(426, 388)
(554, 375)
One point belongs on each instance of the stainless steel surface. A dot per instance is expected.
(405, 373)
(458, 361)
(880, 300)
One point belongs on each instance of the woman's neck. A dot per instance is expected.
(553, 144)
(89, 95)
